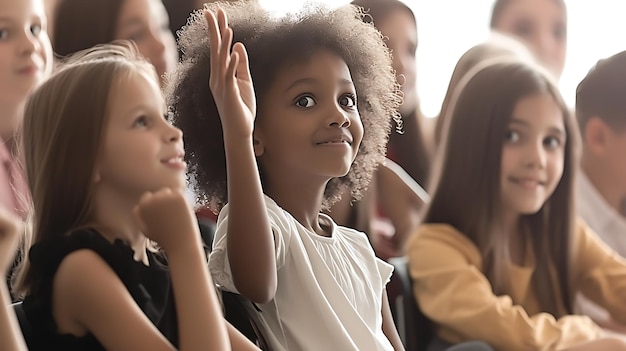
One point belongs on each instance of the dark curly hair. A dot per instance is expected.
(273, 43)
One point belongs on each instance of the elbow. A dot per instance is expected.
(259, 292)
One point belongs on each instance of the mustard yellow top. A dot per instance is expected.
(452, 291)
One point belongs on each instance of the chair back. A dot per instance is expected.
(415, 329)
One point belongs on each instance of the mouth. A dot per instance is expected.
(177, 161)
(28, 70)
(342, 139)
(528, 183)
(335, 142)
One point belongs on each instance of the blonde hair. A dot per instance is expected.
(63, 128)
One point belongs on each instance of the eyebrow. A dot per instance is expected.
(553, 129)
(311, 81)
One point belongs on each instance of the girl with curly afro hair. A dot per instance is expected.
(270, 156)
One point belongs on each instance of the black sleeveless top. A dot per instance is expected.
(149, 286)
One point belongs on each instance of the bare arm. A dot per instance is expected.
(170, 220)
(89, 297)
(250, 243)
(389, 326)
(10, 333)
(238, 341)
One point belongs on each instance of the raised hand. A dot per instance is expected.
(230, 81)
(167, 218)
(10, 230)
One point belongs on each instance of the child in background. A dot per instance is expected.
(270, 156)
(389, 211)
(500, 255)
(540, 24)
(81, 24)
(102, 188)
(10, 334)
(26, 60)
(601, 112)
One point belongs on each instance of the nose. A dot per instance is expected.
(545, 44)
(173, 134)
(338, 117)
(28, 43)
(536, 155)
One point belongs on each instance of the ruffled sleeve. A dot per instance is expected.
(282, 225)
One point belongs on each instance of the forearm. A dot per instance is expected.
(10, 333)
(200, 322)
(250, 242)
(389, 326)
(238, 341)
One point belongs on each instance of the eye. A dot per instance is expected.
(523, 29)
(348, 100)
(512, 136)
(560, 32)
(305, 101)
(140, 122)
(4, 34)
(35, 29)
(552, 142)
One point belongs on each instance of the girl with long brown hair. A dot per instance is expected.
(500, 254)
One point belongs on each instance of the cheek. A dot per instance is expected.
(557, 165)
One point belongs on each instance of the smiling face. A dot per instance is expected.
(533, 155)
(308, 124)
(141, 150)
(25, 55)
(147, 24)
(541, 25)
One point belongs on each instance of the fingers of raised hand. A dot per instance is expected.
(243, 65)
(220, 40)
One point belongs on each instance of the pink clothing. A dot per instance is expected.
(13, 187)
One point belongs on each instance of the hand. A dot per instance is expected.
(382, 237)
(167, 218)
(230, 81)
(10, 230)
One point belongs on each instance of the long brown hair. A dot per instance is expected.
(81, 24)
(63, 127)
(467, 190)
(497, 45)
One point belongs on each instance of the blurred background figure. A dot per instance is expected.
(80, 24)
(540, 24)
(389, 212)
(601, 186)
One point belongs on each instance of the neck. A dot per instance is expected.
(114, 218)
(602, 181)
(302, 201)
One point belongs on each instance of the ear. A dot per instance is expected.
(597, 136)
(257, 143)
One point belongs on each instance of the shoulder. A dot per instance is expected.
(440, 243)
(47, 257)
